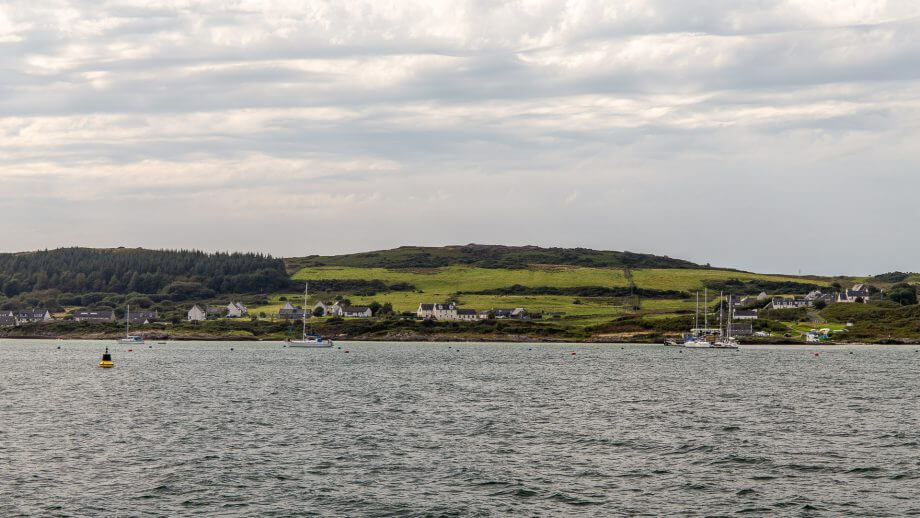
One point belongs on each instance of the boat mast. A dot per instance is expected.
(721, 313)
(706, 309)
(303, 332)
(696, 316)
(730, 316)
(127, 320)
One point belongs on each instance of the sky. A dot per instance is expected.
(766, 135)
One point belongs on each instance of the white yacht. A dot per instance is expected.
(129, 338)
(309, 341)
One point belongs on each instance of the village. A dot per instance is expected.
(745, 310)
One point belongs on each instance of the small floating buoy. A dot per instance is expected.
(851, 352)
(130, 350)
(59, 347)
(816, 354)
(346, 351)
(573, 354)
(150, 347)
(231, 348)
(106, 362)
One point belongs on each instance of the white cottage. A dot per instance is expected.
(236, 310)
(197, 314)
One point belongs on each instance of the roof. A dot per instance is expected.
(97, 313)
(426, 307)
(466, 311)
(355, 309)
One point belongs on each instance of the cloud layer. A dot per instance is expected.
(762, 134)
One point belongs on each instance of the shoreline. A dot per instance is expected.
(439, 339)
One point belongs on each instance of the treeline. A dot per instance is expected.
(179, 274)
(489, 256)
(583, 291)
(360, 287)
(755, 286)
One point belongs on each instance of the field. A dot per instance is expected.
(433, 285)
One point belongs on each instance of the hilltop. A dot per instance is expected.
(488, 256)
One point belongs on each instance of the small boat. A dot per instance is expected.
(106, 361)
(309, 341)
(129, 338)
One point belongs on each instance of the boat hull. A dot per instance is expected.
(310, 345)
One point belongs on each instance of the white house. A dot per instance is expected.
(290, 311)
(467, 314)
(445, 311)
(236, 310)
(858, 293)
(742, 314)
(425, 311)
(780, 303)
(32, 315)
(93, 315)
(197, 314)
(356, 311)
(322, 307)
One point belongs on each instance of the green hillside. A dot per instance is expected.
(488, 256)
(576, 290)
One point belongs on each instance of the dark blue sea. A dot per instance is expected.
(404, 429)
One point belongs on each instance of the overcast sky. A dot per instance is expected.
(774, 136)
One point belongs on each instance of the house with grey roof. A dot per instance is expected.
(859, 293)
(28, 316)
(94, 315)
(197, 314)
(236, 310)
(289, 311)
(356, 311)
(142, 316)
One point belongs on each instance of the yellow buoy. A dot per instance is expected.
(106, 362)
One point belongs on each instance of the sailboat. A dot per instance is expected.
(309, 341)
(129, 338)
(695, 339)
(727, 341)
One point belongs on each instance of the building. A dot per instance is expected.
(321, 309)
(289, 311)
(742, 329)
(32, 315)
(744, 314)
(142, 316)
(236, 310)
(197, 314)
(859, 293)
(467, 314)
(780, 303)
(356, 311)
(94, 315)
(425, 311)
(502, 313)
(445, 311)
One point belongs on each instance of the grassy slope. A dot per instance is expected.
(437, 284)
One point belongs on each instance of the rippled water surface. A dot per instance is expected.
(457, 430)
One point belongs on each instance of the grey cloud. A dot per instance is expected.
(661, 116)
